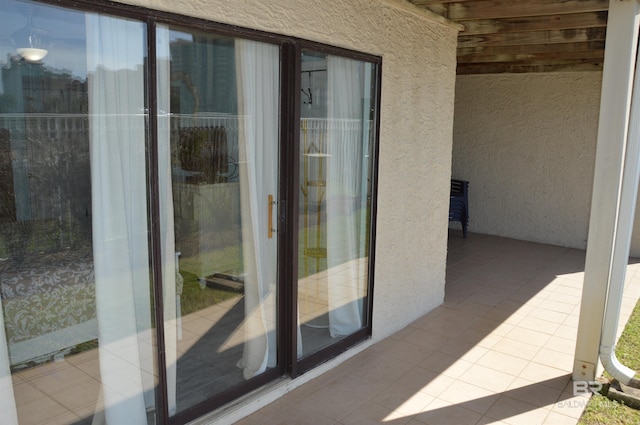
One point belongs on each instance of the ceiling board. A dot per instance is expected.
(526, 36)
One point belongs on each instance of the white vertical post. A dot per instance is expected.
(615, 107)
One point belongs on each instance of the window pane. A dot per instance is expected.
(76, 339)
(336, 131)
(219, 102)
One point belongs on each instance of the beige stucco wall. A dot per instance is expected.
(415, 131)
(526, 143)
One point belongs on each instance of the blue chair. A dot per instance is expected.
(459, 204)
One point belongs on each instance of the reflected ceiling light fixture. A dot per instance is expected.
(31, 41)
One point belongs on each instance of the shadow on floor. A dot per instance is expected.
(499, 350)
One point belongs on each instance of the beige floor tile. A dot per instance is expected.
(402, 399)
(492, 299)
(535, 393)
(39, 411)
(404, 332)
(79, 395)
(373, 414)
(567, 332)
(487, 378)
(441, 412)
(569, 289)
(558, 307)
(299, 417)
(516, 412)
(255, 419)
(446, 364)
(472, 308)
(90, 367)
(504, 316)
(514, 306)
(86, 411)
(516, 348)
(474, 354)
(44, 370)
(537, 373)
(198, 326)
(436, 386)
(479, 337)
(331, 402)
(555, 359)
(64, 419)
(572, 406)
(469, 396)
(485, 420)
(491, 326)
(465, 351)
(562, 345)
(549, 315)
(528, 336)
(56, 382)
(85, 356)
(429, 340)
(564, 298)
(503, 362)
(572, 320)
(539, 325)
(25, 393)
(403, 351)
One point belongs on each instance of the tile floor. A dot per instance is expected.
(498, 351)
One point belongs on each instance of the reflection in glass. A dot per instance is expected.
(76, 341)
(218, 141)
(335, 133)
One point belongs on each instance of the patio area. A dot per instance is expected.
(498, 351)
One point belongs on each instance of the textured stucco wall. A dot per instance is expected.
(416, 128)
(526, 143)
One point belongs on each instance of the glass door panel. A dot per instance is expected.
(218, 139)
(76, 337)
(335, 140)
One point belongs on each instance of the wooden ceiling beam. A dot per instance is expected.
(531, 48)
(542, 58)
(500, 9)
(497, 68)
(513, 36)
(536, 23)
(533, 37)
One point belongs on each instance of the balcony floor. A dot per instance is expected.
(498, 351)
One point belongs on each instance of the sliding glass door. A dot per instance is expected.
(219, 147)
(185, 211)
(76, 320)
(336, 130)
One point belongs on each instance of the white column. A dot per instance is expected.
(607, 218)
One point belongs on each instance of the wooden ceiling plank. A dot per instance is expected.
(532, 48)
(502, 69)
(535, 23)
(533, 37)
(499, 9)
(515, 36)
(559, 57)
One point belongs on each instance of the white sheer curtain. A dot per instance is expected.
(257, 73)
(8, 412)
(171, 301)
(120, 231)
(344, 172)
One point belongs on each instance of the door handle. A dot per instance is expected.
(270, 219)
